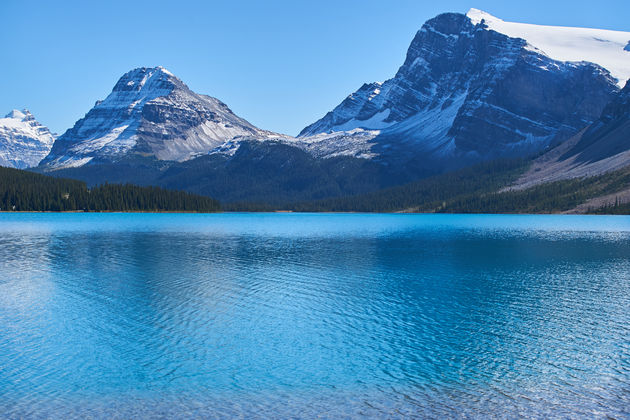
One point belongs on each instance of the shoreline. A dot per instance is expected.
(559, 213)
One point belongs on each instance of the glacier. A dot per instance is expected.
(609, 49)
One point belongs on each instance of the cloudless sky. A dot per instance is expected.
(279, 64)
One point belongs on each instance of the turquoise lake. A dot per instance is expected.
(303, 315)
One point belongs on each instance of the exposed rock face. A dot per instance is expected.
(468, 92)
(609, 135)
(602, 147)
(619, 107)
(150, 112)
(24, 142)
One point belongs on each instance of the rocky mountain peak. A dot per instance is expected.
(150, 113)
(139, 86)
(24, 142)
(23, 115)
(474, 87)
(147, 79)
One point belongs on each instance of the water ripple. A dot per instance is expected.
(276, 316)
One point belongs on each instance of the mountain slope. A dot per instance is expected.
(472, 90)
(610, 135)
(270, 172)
(150, 112)
(602, 147)
(24, 142)
(481, 189)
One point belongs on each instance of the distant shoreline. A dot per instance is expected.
(307, 212)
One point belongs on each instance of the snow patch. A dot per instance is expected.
(16, 114)
(430, 127)
(163, 70)
(374, 93)
(73, 162)
(375, 122)
(356, 143)
(113, 140)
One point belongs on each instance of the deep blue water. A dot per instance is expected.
(302, 315)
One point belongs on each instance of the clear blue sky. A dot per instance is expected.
(279, 64)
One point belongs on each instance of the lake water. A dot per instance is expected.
(303, 315)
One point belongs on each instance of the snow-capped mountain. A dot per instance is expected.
(472, 88)
(475, 87)
(150, 112)
(24, 142)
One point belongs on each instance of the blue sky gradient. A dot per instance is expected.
(279, 64)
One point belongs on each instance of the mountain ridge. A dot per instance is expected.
(462, 87)
(466, 93)
(150, 112)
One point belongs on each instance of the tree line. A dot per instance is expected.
(477, 189)
(27, 191)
